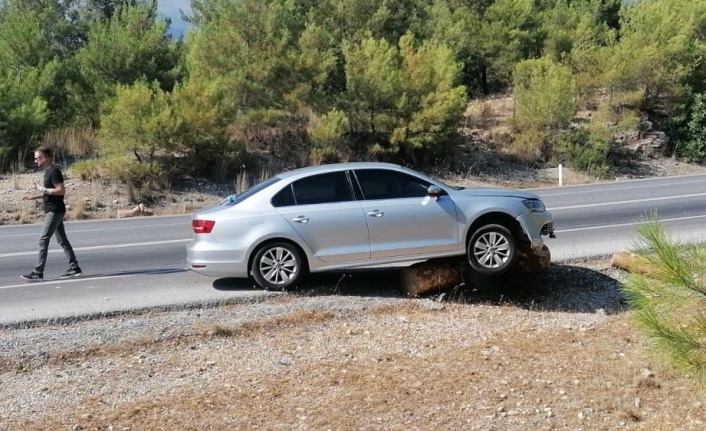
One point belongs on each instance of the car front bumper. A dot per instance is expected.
(535, 225)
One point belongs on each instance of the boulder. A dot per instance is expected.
(432, 275)
(531, 261)
(436, 275)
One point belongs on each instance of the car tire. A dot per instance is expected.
(492, 250)
(277, 266)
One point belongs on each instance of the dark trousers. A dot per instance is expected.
(54, 225)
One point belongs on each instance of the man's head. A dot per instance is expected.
(42, 156)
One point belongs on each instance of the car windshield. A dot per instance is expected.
(438, 181)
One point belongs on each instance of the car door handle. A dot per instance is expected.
(376, 213)
(301, 219)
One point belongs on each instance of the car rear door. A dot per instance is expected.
(322, 210)
(402, 220)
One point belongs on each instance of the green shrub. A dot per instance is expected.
(582, 150)
(142, 179)
(87, 169)
(692, 146)
(545, 95)
(530, 144)
(327, 138)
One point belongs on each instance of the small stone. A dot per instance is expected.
(135, 323)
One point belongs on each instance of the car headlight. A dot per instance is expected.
(534, 205)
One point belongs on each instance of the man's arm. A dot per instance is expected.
(32, 198)
(57, 180)
(58, 190)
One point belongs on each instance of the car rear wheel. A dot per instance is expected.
(492, 250)
(277, 266)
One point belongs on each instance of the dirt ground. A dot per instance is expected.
(553, 352)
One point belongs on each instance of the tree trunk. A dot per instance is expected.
(139, 210)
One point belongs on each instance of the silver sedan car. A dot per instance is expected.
(351, 215)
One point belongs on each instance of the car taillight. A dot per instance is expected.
(202, 226)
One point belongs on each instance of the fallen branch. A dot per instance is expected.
(633, 262)
(139, 210)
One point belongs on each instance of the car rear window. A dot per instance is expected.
(255, 189)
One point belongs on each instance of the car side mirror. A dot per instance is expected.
(434, 191)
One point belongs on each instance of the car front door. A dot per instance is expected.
(322, 210)
(402, 219)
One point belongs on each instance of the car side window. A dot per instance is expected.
(387, 184)
(320, 189)
(284, 198)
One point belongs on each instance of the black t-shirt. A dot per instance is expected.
(53, 203)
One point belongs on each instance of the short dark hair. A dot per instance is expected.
(46, 152)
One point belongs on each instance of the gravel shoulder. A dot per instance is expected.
(552, 351)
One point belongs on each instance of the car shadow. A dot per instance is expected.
(359, 282)
(127, 273)
(381, 282)
(228, 284)
(563, 288)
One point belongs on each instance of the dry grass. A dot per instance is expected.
(385, 370)
(72, 142)
(77, 209)
(15, 180)
(183, 208)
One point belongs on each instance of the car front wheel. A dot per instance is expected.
(492, 250)
(277, 266)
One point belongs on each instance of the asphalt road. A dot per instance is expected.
(139, 263)
(128, 264)
(599, 219)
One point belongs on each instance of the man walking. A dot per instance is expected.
(52, 195)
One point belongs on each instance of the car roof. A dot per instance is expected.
(334, 167)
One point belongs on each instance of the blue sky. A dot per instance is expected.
(170, 8)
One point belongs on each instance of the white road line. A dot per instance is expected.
(76, 280)
(604, 204)
(578, 229)
(77, 231)
(100, 247)
(64, 281)
(576, 189)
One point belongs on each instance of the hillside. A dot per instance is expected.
(483, 159)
